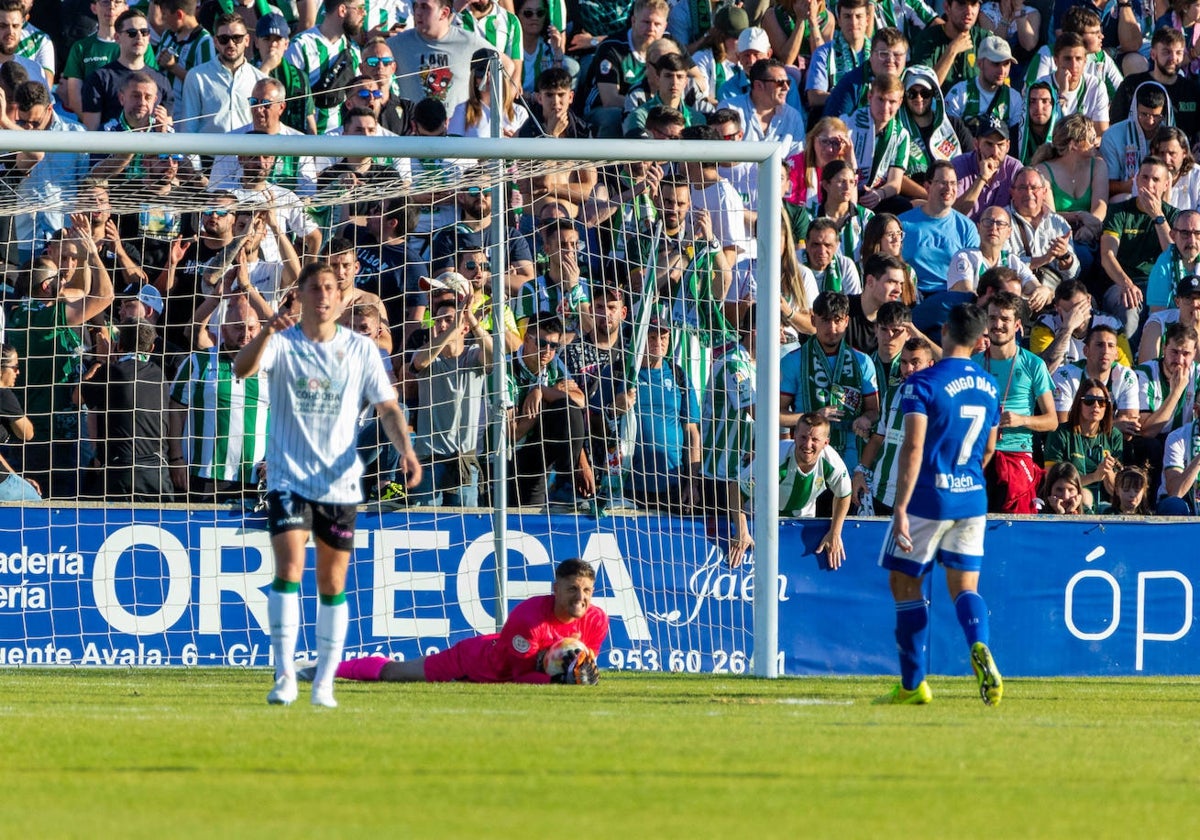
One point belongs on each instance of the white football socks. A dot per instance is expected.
(332, 622)
(283, 617)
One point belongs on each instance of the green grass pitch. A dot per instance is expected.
(198, 753)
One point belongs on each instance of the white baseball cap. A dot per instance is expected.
(755, 38)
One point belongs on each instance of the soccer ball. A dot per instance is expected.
(560, 652)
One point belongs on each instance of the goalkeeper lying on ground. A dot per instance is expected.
(518, 653)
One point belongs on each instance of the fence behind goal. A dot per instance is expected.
(179, 577)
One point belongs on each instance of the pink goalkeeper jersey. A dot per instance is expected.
(511, 654)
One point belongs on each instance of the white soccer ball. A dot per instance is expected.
(560, 652)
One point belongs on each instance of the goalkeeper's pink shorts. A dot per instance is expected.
(468, 660)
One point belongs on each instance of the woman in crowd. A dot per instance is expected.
(1078, 177)
(798, 290)
(544, 45)
(828, 140)
(1089, 442)
(473, 118)
(884, 234)
(839, 202)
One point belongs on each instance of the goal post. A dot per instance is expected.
(503, 162)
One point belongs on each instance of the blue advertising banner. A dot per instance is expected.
(153, 587)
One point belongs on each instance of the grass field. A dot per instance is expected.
(156, 754)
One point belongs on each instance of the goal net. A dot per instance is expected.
(569, 326)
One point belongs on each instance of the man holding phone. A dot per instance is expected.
(102, 88)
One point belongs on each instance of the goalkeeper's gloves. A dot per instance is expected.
(579, 668)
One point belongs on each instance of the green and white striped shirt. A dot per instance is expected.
(799, 490)
(726, 423)
(883, 479)
(37, 46)
(499, 27)
(312, 53)
(227, 417)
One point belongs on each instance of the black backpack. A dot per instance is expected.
(329, 91)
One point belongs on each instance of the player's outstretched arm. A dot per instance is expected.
(832, 543)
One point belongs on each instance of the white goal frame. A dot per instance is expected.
(768, 156)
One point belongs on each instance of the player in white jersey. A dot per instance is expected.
(808, 466)
(319, 374)
(951, 417)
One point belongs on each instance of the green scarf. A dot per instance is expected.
(1001, 105)
(874, 157)
(843, 59)
(841, 389)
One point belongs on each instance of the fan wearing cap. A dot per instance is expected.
(935, 134)
(1186, 311)
(292, 102)
(985, 176)
(949, 48)
(990, 92)
(448, 371)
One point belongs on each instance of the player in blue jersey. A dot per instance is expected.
(951, 412)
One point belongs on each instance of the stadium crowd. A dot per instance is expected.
(1033, 156)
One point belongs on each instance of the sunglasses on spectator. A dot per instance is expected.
(1093, 399)
(533, 13)
(26, 123)
(255, 102)
(13, 366)
(547, 344)
(176, 158)
(220, 214)
(377, 60)
(484, 265)
(918, 93)
(779, 83)
(369, 94)
(136, 33)
(226, 40)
